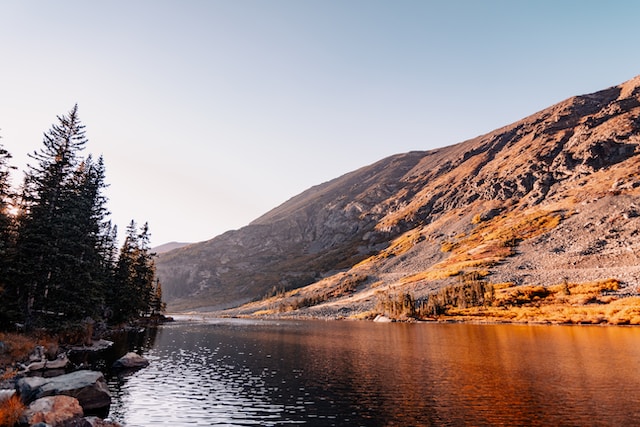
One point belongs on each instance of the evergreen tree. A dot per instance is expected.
(158, 306)
(145, 272)
(64, 263)
(134, 289)
(7, 299)
(59, 264)
(121, 296)
(6, 203)
(86, 247)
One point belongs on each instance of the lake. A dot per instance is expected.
(231, 372)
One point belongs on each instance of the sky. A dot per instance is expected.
(210, 113)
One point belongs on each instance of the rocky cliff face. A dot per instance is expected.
(389, 222)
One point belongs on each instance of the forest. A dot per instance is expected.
(60, 264)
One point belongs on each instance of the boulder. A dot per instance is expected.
(6, 394)
(131, 360)
(97, 422)
(382, 319)
(95, 346)
(53, 410)
(89, 387)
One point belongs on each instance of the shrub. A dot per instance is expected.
(346, 284)
(276, 291)
(403, 304)
(10, 411)
(17, 347)
(470, 292)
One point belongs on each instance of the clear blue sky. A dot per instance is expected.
(210, 113)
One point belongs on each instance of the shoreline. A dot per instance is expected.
(602, 302)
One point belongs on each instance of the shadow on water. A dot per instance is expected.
(138, 340)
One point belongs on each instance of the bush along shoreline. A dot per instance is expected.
(475, 300)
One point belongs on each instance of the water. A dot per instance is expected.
(246, 373)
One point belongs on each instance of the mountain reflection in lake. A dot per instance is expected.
(241, 373)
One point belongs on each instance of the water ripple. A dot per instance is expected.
(362, 374)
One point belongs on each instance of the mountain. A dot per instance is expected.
(166, 247)
(552, 197)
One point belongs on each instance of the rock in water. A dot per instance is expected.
(89, 387)
(53, 410)
(131, 360)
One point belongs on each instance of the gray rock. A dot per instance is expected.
(6, 395)
(89, 387)
(131, 360)
(97, 422)
(60, 362)
(98, 345)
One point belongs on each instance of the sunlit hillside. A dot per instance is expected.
(551, 199)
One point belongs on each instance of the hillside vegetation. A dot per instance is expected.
(547, 201)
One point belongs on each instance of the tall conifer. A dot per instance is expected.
(133, 293)
(62, 220)
(7, 300)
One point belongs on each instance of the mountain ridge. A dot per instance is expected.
(330, 228)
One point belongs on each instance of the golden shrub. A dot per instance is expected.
(10, 411)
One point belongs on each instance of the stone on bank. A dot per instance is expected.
(89, 387)
(52, 410)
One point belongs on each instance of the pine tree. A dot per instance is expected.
(145, 272)
(134, 292)
(86, 247)
(59, 259)
(6, 202)
(121, 296)
(158, 306)
(7, 300)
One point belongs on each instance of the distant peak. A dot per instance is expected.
(630, 88)
(169, 247)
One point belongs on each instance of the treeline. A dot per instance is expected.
(59, 260)
(470, 291)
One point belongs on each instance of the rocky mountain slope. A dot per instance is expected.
(553, 197)
(168, 247)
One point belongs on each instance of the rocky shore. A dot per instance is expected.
(50, 392)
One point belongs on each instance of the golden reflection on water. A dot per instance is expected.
(484, 374)
(368, 374)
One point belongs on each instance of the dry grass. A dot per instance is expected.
(365, 315)
(265, 312)
(431, 274)
(334, 287)
(10, 411)
(17, 347)
(488, 244)
(474, 299)
(397, 247)
(584, 303)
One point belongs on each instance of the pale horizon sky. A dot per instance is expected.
(211, 113)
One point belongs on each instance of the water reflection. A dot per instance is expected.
(357, 373)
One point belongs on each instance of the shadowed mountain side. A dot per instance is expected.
(394, 219)
(326, 228)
